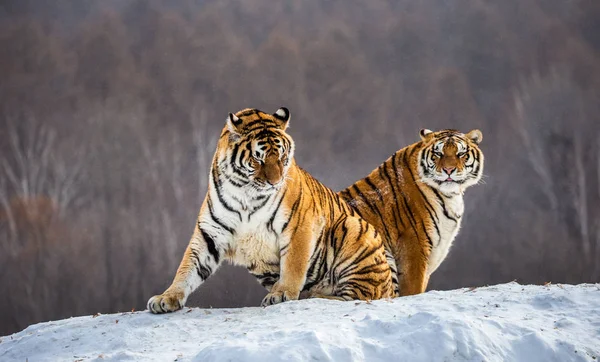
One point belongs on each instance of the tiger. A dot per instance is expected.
(265, 213)
(415, 200)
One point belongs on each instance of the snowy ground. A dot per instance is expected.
(508, 322)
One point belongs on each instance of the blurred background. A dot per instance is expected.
(109, 113)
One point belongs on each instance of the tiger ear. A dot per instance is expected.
(233, 122)
(475, 136)
(283, 115)
(424, 132)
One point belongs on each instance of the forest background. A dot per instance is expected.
(109, 113)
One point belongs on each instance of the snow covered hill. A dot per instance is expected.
(508, 322)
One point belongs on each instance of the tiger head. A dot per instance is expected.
(450, 161)
(259, 151)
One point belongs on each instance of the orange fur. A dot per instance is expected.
(265, 213)
(415, 209)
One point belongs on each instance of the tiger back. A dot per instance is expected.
(415, 200)
(265, 213)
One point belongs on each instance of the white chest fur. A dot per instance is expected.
(255, 247)
(253, 241)
(448, 224)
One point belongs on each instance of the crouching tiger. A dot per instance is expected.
(263, 212)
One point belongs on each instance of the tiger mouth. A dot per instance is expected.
(448, 181)
(263, 186)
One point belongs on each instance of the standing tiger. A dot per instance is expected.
(263, 212)
(415, 200)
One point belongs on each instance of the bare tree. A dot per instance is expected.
(36, 190)
(34, 168)
(205, 143)
(557, 131)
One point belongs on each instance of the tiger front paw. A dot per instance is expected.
(276, 297)
(165, 303)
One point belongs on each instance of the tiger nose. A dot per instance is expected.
(273, 181)
(449, 169)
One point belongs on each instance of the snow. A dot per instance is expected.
(507, 322)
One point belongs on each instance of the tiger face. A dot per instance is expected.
(450, 161)
(259, 149)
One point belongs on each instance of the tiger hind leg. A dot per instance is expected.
(330, 297)
(361, 269)
(325, 290)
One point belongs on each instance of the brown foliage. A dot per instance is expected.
(34, 215)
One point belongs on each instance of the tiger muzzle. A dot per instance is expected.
(272, 170)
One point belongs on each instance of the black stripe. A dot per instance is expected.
(292, 212)
(216, 219)
(235, 183)
(210, 243)
(339, 240)
(253, 123)
(317, 256)
(429, 241)
(441, 201)
(204, 271)
(385, 177)
(217, 185)
(266, 133)
(196, 258)
(360, 287)
(264, 124)
(267, 275)
(428, 205)
(272, 218)
(283, 249)
(254, 210)
(398, 213)
(361, 231)
(359, 193)
(378, 191)
(365, 253)
(234, 154)
(240, 172)
(409, 212)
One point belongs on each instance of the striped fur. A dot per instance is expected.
(415, 200)
(267, 214)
